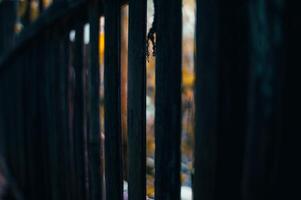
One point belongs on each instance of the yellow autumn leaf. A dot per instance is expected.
(188, 77)
(150, 188)
(101, 46)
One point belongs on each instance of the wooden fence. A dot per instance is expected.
(246, 97)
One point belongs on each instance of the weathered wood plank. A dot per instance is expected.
(137, 100)
(32, 134)
(287, 172)
(206, 99)
(51, 130)
(43, 97)
(233, 63)
(42, 116)
(64, 63)
(78, 110)
(168, 100)
(95, 165)
(267, 61)
(113, 157)
(16, 86)
(221, 98)
(272, 164)
(59, 120)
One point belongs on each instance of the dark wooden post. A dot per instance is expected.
(113, 162)
(137, 100)
(95, 166)
(78, 123)
(267, 60)
(288, 159)
(52, 141)
(272, 166)
(168, 100)
(206, 99)
(221, 98)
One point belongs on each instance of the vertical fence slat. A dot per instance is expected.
(19, 137)
(78, 110)
(288, 158)
(64, 64)
(40, 145)
(264, 92)
(221, 98)
(29, 115)
(206, 100)
(42, 115)
(272, 165)
(94, 155)
(33, 135)
(60, 129)
(137, 100)
(233, 65)
(113, 158)
(51, 129)
(71, 101)
(168, 100)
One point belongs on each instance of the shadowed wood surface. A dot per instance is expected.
(168, 100)
(137, 100)
(112, 78)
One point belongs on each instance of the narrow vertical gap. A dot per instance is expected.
(101, 99)
(150, 109)
(124, 88)
(86, 52)
(113, 137)
(187, 138)
(136, 100)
